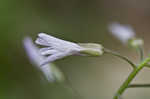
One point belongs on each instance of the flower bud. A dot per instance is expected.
(135, 42)
(91, 49)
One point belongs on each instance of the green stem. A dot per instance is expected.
(141, 53)
(120, 56)
(139, 86)
(130, 78)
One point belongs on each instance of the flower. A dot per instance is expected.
(49, 70)
(136, 42)
(122, 32)
(56, 48)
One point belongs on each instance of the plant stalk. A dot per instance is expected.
(120, 56)
(132, 75)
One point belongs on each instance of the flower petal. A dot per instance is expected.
(40, 41)
(122, 32)
(54, 57)
(32, 51)
(36, 58)
(57, 44)
(47, 51)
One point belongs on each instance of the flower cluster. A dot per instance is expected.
(53, 48)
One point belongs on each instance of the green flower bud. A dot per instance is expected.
(136, 42)
(91, 49)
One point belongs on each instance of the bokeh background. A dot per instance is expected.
(78, 21)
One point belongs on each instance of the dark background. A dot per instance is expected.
(78, 21)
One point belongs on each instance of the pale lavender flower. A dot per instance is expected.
(36, 58)
(56, 48)
(122, 32)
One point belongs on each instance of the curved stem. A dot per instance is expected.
(120, 56)
(126, 83)
(141, 53)
(131, 77)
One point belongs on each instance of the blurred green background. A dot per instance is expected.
(78, 21)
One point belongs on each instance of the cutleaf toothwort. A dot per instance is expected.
(54, 48)
(57, 48)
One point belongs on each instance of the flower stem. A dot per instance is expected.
(120, 56)
(141, 53)
(131, 77)
(139, 86)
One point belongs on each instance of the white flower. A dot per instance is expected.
(56, 48)
(123, 32)
(36, 58)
